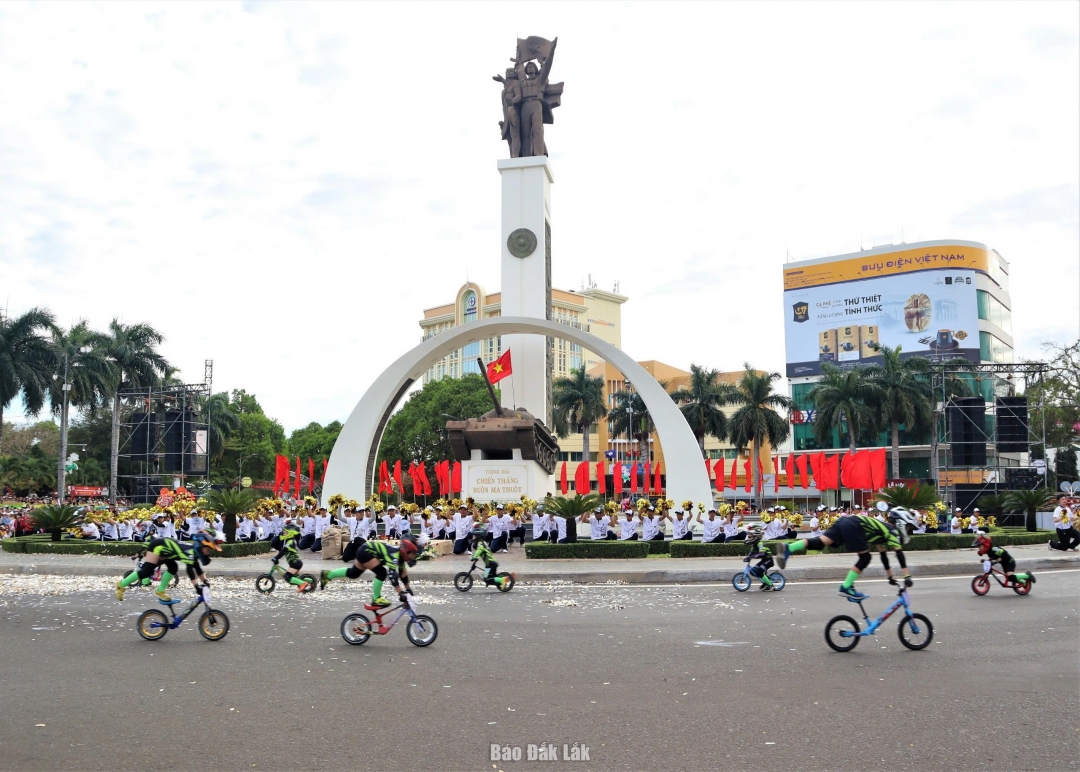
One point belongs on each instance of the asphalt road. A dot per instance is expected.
(690, 678)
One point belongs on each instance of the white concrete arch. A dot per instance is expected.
(350, 471)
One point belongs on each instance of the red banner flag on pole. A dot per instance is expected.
(424, 482)
(601, 478)
(815, 468)
(776, 474)
(417, 490)
(646, 482)
(790, 470)
(878, 478)
(616, 478)
(500, 368)
(830, 472)
(734, 482)
(719, 469)
(749, 477)
(800, 464)
(310, 475)
(277, 474)
(442, 474)
(298, 492)
(760, 476)
(581, 479)
(562, 480)
(658, 481)
(633, 478)
(322, 480)
(455, 478)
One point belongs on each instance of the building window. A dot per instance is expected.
(575, 356)
(991, 349)
(994, 311)
(470, 352)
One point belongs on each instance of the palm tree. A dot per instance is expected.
(905, 395)
(54, 518)
(756, 420)
(572, 507)
(132, 348)
(84, 379)
(229, 503)
(26, 361)
(844, 398)
(578, 403)
(631, 416)
(222, 421)
(993, 503)
(1029, 501)
(918, 496)
(701, 404)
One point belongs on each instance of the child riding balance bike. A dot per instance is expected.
(980, 585)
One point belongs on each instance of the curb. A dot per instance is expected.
(661, 576)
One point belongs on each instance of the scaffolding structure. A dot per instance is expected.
(963, 485)
(164, 437)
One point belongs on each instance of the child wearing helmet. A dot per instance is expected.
(382, 560)
(290, 539)
(483, 552)
(992, 554)
(858, 533)
(756, 550)
(169, 551)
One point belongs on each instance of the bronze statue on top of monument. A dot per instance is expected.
(528, 98)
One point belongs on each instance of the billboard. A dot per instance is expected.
(929, 312)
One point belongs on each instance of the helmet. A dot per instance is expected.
(901, 518)
(882, 506)
(290, 529)
(205, 538)
(407, 549)
(983, 542)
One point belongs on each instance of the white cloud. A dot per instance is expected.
(284, 187)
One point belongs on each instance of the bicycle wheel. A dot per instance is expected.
(355, 629)
(740, 582)
(778, 581)
(422, 630)
(265, 584)
(980, 585)
(312, 583)
(152, 625)
(835, 633)
(507, 585)
(463, 581)
(213, 625)
(916, 632)
(1022, 589)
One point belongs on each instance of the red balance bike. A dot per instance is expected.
(356, 629)
(980, 585)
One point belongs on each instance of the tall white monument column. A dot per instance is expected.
(526, 280)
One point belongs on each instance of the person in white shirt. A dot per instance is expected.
(628, 526)
(733, 530)
(1068, 538)
(652, 526)
(775, 528)
(785, 522)
(463, 523)
(322, 522)
(508, 526)
(681, 528)
(921, 522)
(973, 524)
(815, 524)
(90, 531)
(497, 534)
(306, 521)
(600, 526)
(442, 525)
(559, 526)
(712, 528)
(264, 525)
(195, 522)
(124, 530)
(390, 522)
(108, 530)
(541, 524)
(954, 524)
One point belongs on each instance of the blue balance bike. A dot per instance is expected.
(742, 580)
(842, 633)
(213, 624)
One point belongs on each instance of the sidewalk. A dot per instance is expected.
(647, 571)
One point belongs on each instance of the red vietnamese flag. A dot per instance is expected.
(322, 480)
(562, 480)
(277, 474)
(581, 478)
(749, 477)
(800, 464)
(719, 468)
(633, 478)
(646, 483)
(658, 482)
(455, 478)
(500, 368)
(760, 476)
(601, 478)
(776, 474)
(443, 468)
(384, 478)
(616, 478)
(397, 476)
(877, 469)
(417, 490)
(298, 493)
(424, 482)
(310, 475)
(734, 483)
(790, 469)
(815, 468)
(830, 472)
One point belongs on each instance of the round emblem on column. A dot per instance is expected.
(521, 242)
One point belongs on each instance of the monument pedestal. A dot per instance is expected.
(504, 481)
(526, 280)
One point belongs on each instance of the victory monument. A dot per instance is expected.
(509, 451)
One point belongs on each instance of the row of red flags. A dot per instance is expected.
(282, 470)
(861, 470)
(651, 482)
(447, 478)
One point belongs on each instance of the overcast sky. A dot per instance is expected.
(283, 188)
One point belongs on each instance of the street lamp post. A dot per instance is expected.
(240, 470)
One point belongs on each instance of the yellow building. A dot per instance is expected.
(590, 309)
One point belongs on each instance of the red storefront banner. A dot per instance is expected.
(87, 490)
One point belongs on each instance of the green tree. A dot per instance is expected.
(85, 376)
(578, 403)
(756, 420)
(418, 430)
(845, 400)
(314, 440)
(33, 472)
(1055, 400)
(132, 349)
(26, 361)
(229, 503)
(1030, 502)
(631, 416)
(905, 395)
(917, 496)
(1065, 465)
(54, 518)
(222, 420)
(702, 404)
(572, 507)
(18, 439)
(993, 503)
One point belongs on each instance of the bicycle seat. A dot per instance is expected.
(369, 607)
